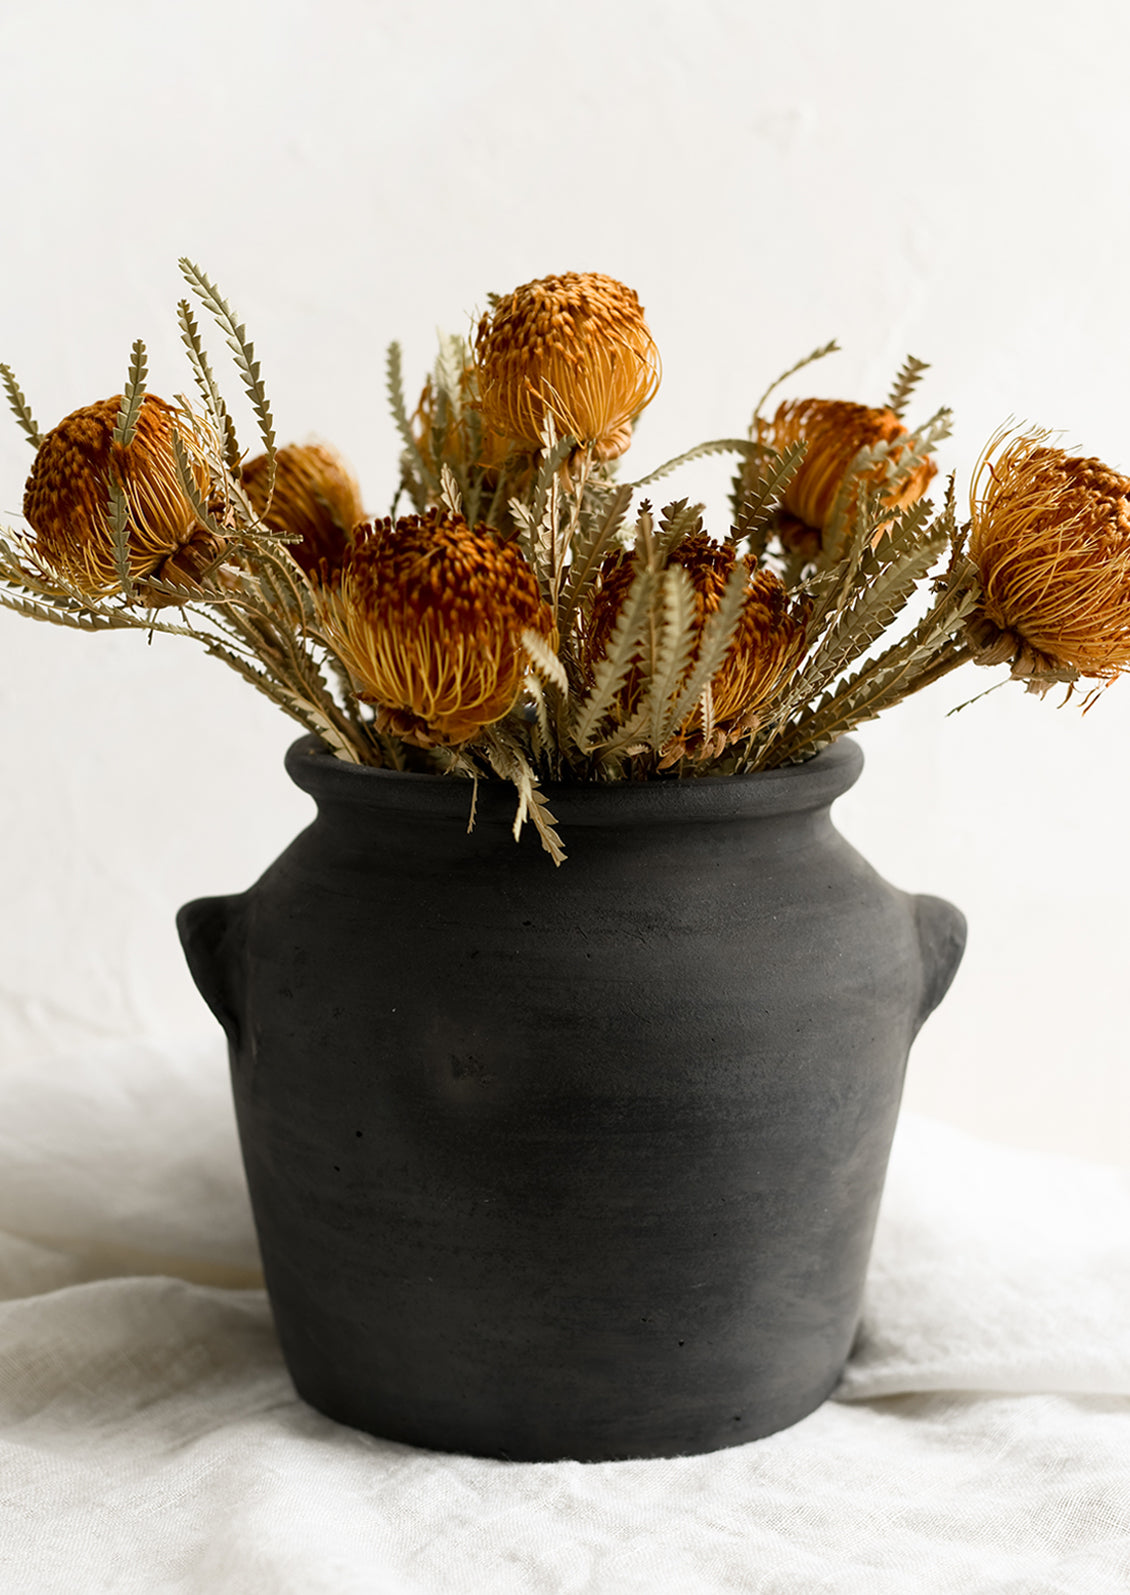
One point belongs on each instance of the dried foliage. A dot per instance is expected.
(314, 503)
(1050, 538)
(534, 621)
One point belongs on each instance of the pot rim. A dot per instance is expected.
(790, 789)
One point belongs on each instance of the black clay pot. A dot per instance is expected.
(578, 1162)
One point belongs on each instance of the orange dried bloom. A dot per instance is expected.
(458, 439)
(835, 431)
(316, 498)
(765, 649)
(428, 619)
(768, 637)
(574, 347)
(764, 654)
(67, 497)
(1050, 536)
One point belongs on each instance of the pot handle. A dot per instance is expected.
(211, 933)
(941, 936)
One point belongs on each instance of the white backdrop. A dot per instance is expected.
(950, 185)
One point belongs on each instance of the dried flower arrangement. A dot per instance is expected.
(535, 620)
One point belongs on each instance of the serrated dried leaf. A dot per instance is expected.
(395, 385)
(544, 511)
(717, 639)
(544, 660)
(215, 406)
(35, 609)
(508, 761)
(546, 825)
(885, 580)
(452, 362)
(831, 347)
(716, 446)
(132, 395)
(612, 671)
(526, 533)
(591, 543)
(676, 644)
(191, 490)
(912, 662)
(117, 519)
(449, 491)
(20, 407)
(706, 704)
(541, 733)
(676, 522)
(907, 379)
(764, 493)
(246, 363)
(856, 514)
(554, 456)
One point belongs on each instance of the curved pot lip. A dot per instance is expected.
(791, 789)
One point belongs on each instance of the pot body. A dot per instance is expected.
(580, 1162)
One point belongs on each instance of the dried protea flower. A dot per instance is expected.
(428, 619)
(1050, 537)
(66, 500)
(464, 439)
(575, 348)
(316, 498)
(765, 650)
(835, 431)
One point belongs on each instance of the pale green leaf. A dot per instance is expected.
(676, 645)
(717, 446)
(764, 492)
(831, 347)
(449, 491)
(117, 519)
(191, 490)
(544, 660)
(246, 363)
(20, 407)
(214, 403)
(593, 541)
(612, 671)
(717, 639)
(907, 379)
(395, 382)
(676, 521)
(132, 395)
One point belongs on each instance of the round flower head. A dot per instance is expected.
(1050, 537)
(428, 619)
(316, 498)
(764, 651)
(575, 348)
(462, 440)
(67, 498)
(835, 431)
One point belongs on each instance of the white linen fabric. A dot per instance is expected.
(150, 1441)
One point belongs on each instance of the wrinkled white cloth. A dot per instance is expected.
(151, 1444)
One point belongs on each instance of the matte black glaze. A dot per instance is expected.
(578, 1162)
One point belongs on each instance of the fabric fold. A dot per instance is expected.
(151, 1442)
